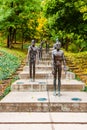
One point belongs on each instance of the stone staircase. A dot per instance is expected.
(44, 79)
(22, 107)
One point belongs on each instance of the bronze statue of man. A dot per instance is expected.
(40, 50)
(32, 52)
(57, 60)
(47, 47)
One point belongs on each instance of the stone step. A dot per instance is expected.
(43, 118)
(45, 62)
(43, 85)
(46, 54)
(42, 73)
(42, 62)
(47, 121)
(39, 74)
(26, 126)
(46, 57)
(39, 67)
(31, 102)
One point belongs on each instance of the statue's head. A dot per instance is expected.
(58, 45)
(33, 42)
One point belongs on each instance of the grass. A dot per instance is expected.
(78, 60)
(8, 88)
(10, 61)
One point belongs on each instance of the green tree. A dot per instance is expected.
(67, 19)
(18, 16)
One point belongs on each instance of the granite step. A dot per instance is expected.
(43, 74)
(31, 102)
(45, 62)
(43, 126)
(42, 62)
(46, 57)
(43, 85)
(43, 118)
(39, 67)
(46, 70)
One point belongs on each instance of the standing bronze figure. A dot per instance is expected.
(40, 50)
(57, 60)
(32, 52)
(47, 47)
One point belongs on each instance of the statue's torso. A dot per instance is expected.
(33, 52)
(58, 57)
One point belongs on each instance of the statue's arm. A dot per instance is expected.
(52, 62)
(64, 62)
(28, 55)
(37, 55)
(27, 58)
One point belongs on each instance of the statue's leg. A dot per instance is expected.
(41, 54)
(30, 70)
(59, 85)
(46, 49)
(55, 75)
(59, 79)
(34, 71)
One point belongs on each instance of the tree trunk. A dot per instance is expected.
(11, 37)
(22, 40)
(67, 43)
(8, 41)
(15, 37)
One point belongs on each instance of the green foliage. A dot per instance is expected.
(67, 20)
(20, 15)
(8, 65)
(78, 63)
(72, 48)
(10, 60)
(85, 89)
(7, 90)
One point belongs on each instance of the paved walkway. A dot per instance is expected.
(43, 121)
(66, 97)
(43, 118)
(43, 127)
